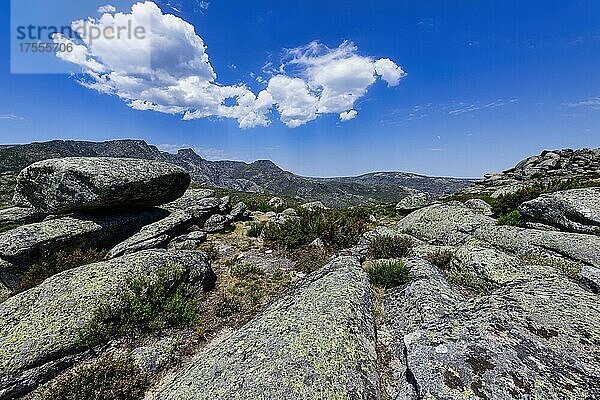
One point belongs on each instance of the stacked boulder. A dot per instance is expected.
(126, 205)
(140, 209)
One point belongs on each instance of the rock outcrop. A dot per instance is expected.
(549, 166)
(414, 202)
(576, 210)
(453, 224)
(154, 235)
(533, 337)
(28, 243)
(317, 341)
(78, 184)
(39, 327)
(20, 216)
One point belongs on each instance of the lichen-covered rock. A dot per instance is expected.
(453, 224)
(78, 184)
(154, 235)
(576, 210)
(217, 223)
(191, 199)
(39, 327)
(276, 202)
(480, 206)
(317, 341)
(314, 206)
(237, 212)
(27, 243)
(20, 216)
(188, 241)
(414, 202)
(530, 338)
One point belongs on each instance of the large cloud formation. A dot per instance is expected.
(169, 71)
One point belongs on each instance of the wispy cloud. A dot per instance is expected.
(421, 111)
(11, 117)
(592, 103)
(462, 108)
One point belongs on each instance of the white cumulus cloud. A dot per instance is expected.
(348, 115)
(107, 9)
(167, 69)
(315, 79)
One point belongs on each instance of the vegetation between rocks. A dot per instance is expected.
(107, 378)
(439, 258)
(148, 305)
(388, 273)
(513, 218)
(338, 228)
(389, 247)
(61, 261)
(256, 229)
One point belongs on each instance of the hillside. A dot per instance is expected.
(261, 176)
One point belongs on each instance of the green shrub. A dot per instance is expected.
(256, 229)
(108, 378)
(513, 218)
(61, 261)
(439, 258)
(147, 306)
(338, 228)
(389, 273)
(506, 203)
(389, 247)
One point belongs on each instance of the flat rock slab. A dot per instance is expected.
(531, 338)
(453, 224)
(154, 235)
(317, 341)
(20, 216)
(78, 183)
(28, 243)
(576, 210)
(39, 327)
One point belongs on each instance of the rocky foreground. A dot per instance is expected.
(184, 298)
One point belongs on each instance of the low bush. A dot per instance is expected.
(507, 203)
(61, 261)
(389, 274)
(439, 258)
(147, 306)
(256, 229)
(108, 378)
(513, 218)
(389, 247)
(338, 228)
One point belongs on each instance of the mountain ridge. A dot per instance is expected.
(261, 176)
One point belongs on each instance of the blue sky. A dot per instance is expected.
(486, 84)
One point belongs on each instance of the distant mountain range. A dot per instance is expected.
(261, 176)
